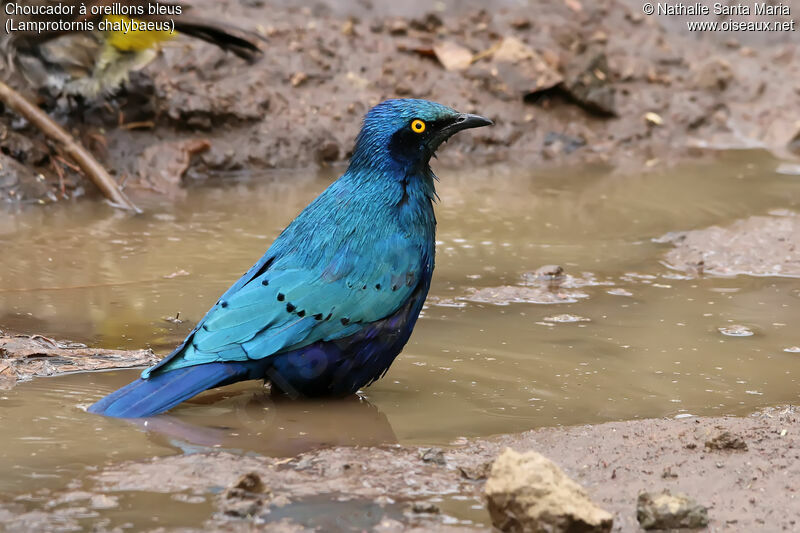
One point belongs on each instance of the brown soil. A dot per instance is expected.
(566, 81)
(750, 489)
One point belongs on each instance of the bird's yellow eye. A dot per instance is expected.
(417, 126)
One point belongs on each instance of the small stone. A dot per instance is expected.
(348, 28)
(528, 492)
(398, 27)
(667, 511)
(250, 482)
(475, 473)
(549, 273)
(727, 441)
(433, 455)
(424, 508)
(298, 78)
(653, 118)
(452, 56)
(714, 75)
(587, 83)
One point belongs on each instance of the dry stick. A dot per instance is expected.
(71, 147)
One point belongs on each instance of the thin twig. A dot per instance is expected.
(93, 170)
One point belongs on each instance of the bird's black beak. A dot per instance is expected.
(463, 121)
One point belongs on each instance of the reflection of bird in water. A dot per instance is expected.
(275, 426)
(92, 53)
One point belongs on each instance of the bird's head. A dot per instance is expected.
(407, 132)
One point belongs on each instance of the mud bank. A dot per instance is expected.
(747, 484)
(23, 357)
(757, 246)
(564, 81)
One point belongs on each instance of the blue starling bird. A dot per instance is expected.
(333, 301)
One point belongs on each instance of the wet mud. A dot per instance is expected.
(746, 487)
(23, 357)
(564, 81)
(756, 246)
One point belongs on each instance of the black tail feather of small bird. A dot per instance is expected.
(234, 40)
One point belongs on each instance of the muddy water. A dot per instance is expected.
(643, 341)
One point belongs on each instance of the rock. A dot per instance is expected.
(715, 74)
(727, 441)
(162, 166)
(298, 78)
(475, 472)
(251, 482)
(667, 511)
(424, 508)
(433, 455)
(245, 497)
(653, 118)
(528, 492)
(522, 70)
(452, 56)
(398, 27)
(587, 83)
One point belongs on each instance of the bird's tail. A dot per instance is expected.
(243, 43)
(148, 397)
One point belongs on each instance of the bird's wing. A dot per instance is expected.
(272, 309)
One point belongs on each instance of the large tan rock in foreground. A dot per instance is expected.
(529, 493)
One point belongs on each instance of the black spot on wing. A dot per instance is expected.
(262, 270)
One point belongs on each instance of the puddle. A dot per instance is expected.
(640, 340)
